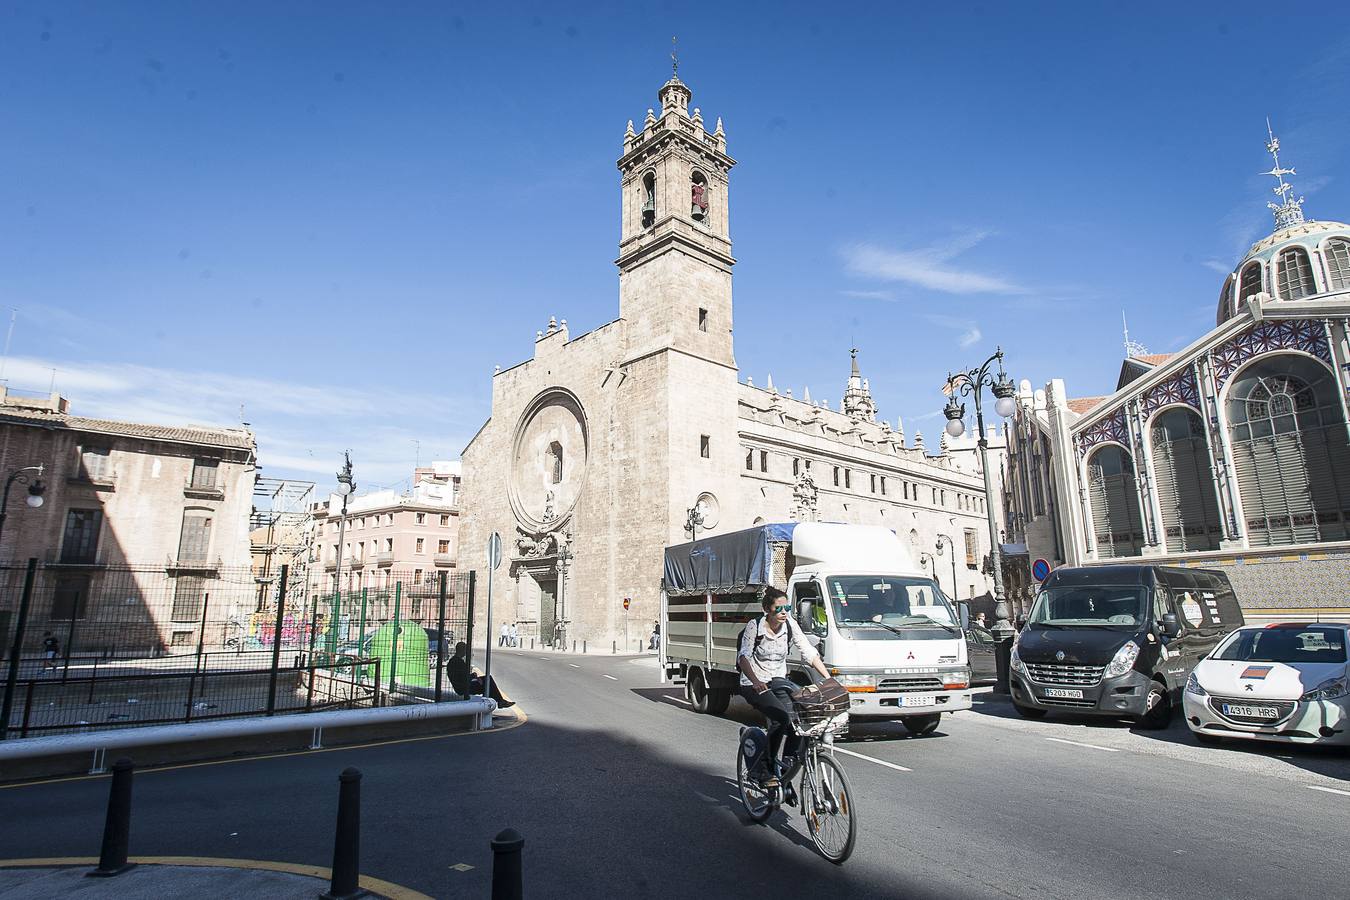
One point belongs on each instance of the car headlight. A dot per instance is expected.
(1193, 686)
(1016, 662)
(1331, 689)
(857, 683)
(955, 681)
(1123, 661)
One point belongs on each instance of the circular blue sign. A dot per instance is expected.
(1040, 569)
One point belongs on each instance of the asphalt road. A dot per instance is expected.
(621, 790)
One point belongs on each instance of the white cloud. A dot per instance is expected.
(1216, 266)
(870, 295)
(302, 429)
(970, 332)
(927, 267)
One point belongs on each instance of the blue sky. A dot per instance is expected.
(342, 216)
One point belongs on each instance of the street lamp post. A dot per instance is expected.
(952, 545)
(692, 521)
(35, 490)
(345, 487)
(973, 382)
(564, 558)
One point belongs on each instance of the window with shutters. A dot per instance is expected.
(1226, 300)
(195, 543)
(1295, 277)
(1190, 507)
(1291, 453)
(204, 473)
(972, 549)
(79, 540)
(1251, 282)
(70, 599)
(96, 464)
(1337, 256)
(188, 594)
(1115, 503)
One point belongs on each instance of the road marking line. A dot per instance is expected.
(544, 658)
(680, 700)
(1328, 790)
(574, 665)
(880, 762)
(1081, 744)
(610, 677)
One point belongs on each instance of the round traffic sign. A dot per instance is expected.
(1040, 569)
(494, 551)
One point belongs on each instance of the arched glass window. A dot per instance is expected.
(1251, 282)
(1226, 300)
(1337, 255)
(1115, 503)
(1190, 507)
(554, 462)
(1291, 452)
(1295, 274)
(698, 204)
(648, 199)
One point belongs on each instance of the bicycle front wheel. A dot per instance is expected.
(757, 799)
(830, 815)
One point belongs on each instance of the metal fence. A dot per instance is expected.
(164, 645)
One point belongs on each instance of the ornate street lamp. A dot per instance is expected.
(972, 382)
(35, 490)
(345, 487)
(952, 545)
(693, 519)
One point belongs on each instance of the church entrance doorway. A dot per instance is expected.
(548, 599)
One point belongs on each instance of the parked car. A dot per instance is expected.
(1118, 640)
(1285, 682)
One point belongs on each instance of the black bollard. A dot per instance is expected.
(112, 859)
(347, 841)
(506, 881)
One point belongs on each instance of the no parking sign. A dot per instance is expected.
(1040, 569)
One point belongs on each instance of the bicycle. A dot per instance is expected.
(825, 795)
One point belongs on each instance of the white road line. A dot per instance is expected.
(1328, 790)
(574, 665)
(1081, 744)
(544, 658)
(680, 700)
(610, 677)
(880, 762)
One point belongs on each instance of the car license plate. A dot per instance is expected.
(918, 700)
(1251, 712)
(1067, 693)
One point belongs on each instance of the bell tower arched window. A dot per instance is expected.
(1115, 503)
(1251, 282)
(649, 200)
(698, 205)
(1295, 280)
(1337, 255)
(1290, 450)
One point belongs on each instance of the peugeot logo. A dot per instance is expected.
(1247, 686)
(1059, 655)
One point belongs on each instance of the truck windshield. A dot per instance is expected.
(894, 603)
(1096, 604)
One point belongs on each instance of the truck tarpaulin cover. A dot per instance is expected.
(733, 563)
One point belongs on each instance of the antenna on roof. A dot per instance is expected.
(1133, 349)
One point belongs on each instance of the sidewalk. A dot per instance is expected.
(590, 650)
(157, 878)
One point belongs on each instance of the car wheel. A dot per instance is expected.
(921, 725)
(1029, 712)
(1157, 708)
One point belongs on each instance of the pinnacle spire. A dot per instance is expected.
(1289, 211)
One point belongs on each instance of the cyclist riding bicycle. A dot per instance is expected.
(762, 660)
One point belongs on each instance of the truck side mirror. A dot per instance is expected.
(963, 609)
(1170, 626)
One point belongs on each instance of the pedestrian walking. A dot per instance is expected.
(504, 636)
(50, 647)
(515, 635)
(656, 636)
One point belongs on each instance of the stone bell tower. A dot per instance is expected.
(675, 247)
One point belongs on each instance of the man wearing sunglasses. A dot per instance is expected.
(763, 663)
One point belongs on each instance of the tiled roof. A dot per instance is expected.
(1154, 359)
(234, 438)
(1082, 405)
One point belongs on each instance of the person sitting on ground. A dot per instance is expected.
(465, 683)
(50, 647)
(762, 660)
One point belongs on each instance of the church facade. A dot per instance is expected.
(604, 448)
(1233, 453)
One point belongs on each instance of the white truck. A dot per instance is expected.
(883, 627)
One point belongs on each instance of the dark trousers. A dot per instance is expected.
(776, 704)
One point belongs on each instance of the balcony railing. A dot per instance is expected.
(444, 560)
(384, 560)
(203, 491)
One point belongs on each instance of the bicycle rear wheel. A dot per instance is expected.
(758, 800)
(830, 815)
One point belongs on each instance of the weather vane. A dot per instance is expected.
(674, 58)
(1289, 212)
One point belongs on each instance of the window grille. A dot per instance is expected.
(79, 543)
(1337, 256)
(1251, 282)
(188, 593)
(1295, 274)
(1190, 508)
(1115, 503)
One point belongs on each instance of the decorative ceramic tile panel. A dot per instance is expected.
(1307, 335)
(1111, 428)
(1178, 389)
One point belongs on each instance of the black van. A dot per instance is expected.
(1118, 640)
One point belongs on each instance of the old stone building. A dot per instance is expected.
(604, 448)
(1231, 453)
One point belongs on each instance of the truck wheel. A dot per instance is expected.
(718, 701)
(696, 690)
(1157, 708)
(921, 725)
(1029, 712)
